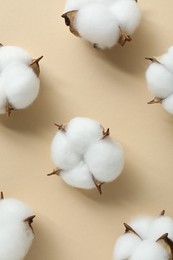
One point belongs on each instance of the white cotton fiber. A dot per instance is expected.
(127, 14)
(10, 54)
(149, 250)
(96, 24)
(105, 160)
(161, 226)
(62, 152)
(21, 84)
(125, 246)
(167, 61)
(16, 235)
(167, 104)
(3, 99)
(160, 80)
(141, 225)
(75, 4)
(83, 132)
(79, 177)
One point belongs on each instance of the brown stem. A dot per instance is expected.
(2, 195)
(155, 101)
(162, 213)
(60, 127)
(152, 59)
(124, 37)
(106, 133)
(98, 184)
(55, 172)
(9, 109)
(30, 220)
(129, 229)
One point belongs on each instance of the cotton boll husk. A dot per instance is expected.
(13, 209)
(21, 84)
(79, 177)
(127, 14)
(141, 225)
(105, 160)
(96, 24)
(62, 152)
(3, 99)
(83, 132)
(125, 246)
(160, 80)
(10, 54)
(149, 250)
(167, 61)
(161, 226)
(15, 240)
(167, 104)
(75, 4)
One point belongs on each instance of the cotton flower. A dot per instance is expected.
(16, 233)
(159, 76)
(146, 238)
(19, 79)
(85, 155)
(104, 23)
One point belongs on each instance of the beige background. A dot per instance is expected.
(108, 86)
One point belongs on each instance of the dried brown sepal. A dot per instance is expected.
(69, 18)
(129, 229)
(98, 184)
(2, 195)
(167, 243)
(1, 44)
(124, 37)
(155, 101)
(95, 46)
(55, 172)
(30, 220)
(162, 213)
(61, 127)
(106, 133)
(9, 108)
(152, 59)
(35, 65)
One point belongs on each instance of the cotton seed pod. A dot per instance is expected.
(85, 155)
(19, 81)
(16, 232)
(159, 76)
(146, 238)
(102, 23)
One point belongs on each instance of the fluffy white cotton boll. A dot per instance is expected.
(21, 84)
(167, 104)
(79, 177)
(10, 54)
(75, 4)
(96, 24)
(3, 99)
(167, 61)
(127, 14)
(125, 246)
(62, 152)
(160, 80)
(149, 250)
(83, 132)
(160, 226)
(141, 225)
(105, 160)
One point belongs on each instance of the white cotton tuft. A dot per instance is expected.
(167, 60)
(3, 99)
(16, 236)
(10, 54)
(62, 152)
(149, 250)
(127, 14)
(79, 177)
(161, 226)
(160, 80)
(20, 84)
(125, 246)
(141, 225)
(83, 132)
(75, 4)
(96, 24)
(167, 104)
(105, 160)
